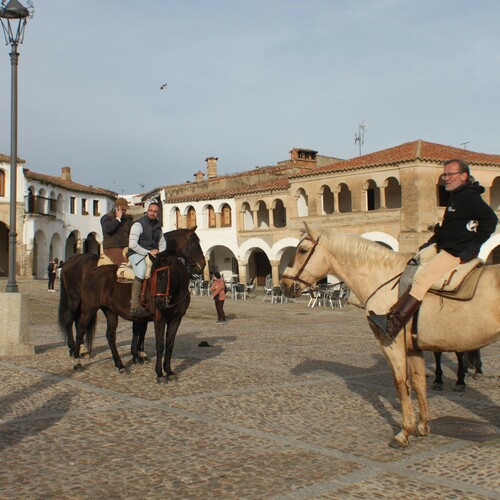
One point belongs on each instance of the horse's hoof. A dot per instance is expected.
(398, 443)
(423, 430)
(137, 360)
(78, 367)
(171, 377)
(124, 370)
(437, 387)
(161, 380)
(459, 388)
(478, 375)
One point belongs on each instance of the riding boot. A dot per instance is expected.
(390, 324)
(136, 308)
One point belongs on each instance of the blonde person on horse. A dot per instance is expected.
(146, 237)
(467, 223)
(116, 226)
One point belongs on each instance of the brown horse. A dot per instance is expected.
(167, 297)
(371, 270)
(183, 243)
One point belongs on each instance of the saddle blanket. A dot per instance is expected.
(460, 283)
(125, 272)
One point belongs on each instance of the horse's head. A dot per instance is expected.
(307, 266)
(186, 244)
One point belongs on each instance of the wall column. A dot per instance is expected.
(243, 271)
(275, 271)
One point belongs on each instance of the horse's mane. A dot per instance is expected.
(364, 250)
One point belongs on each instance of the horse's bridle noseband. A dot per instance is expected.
(297, 279)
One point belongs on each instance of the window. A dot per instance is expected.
(211, 217)
(226, 216)
(191, 218)
(2, 183)
(84, 207)
(72, 205)
(95, 209)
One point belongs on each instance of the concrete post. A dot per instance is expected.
(14, 321)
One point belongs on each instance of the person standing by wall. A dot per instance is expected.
(116, 226)
(219, 296)
(51, 271)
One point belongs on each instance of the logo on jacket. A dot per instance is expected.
(472, 225)
(451, 209)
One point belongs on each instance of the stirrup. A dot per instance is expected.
(380, 321)
(139, 312)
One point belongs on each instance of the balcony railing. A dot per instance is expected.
(40, 205)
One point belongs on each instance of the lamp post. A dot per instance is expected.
(13, 17)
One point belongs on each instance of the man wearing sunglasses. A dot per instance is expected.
(467, 223)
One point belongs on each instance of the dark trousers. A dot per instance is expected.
(52, 279)
(219, 307)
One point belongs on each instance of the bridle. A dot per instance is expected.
(297, 279)
(192, 261)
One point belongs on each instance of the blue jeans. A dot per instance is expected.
(138, 265)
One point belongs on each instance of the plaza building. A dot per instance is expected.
(55, 217)
(249, 223)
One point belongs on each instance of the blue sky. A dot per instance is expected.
(247, 81)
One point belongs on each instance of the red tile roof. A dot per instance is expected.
(409, 151)
(70, 185)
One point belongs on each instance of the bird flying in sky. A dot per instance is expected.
(164, 86)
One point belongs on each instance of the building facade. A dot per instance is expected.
(250, 223)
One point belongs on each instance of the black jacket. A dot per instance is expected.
(115, 233)
(467, 223)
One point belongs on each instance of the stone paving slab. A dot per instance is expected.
(290, 402)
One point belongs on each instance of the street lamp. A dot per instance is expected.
(13, 17)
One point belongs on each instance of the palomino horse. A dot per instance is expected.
(182, 243)
(371, 270)
(167, 296)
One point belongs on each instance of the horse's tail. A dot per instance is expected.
(67, 314)
(473, 359)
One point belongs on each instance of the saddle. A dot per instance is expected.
(125, 272)
(458, 284)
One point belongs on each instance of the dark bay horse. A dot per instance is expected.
(466, 360)
(182, 243)
(167, 295)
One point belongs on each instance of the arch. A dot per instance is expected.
(372, 194)
(302, 203)
(31, 208)
(489, 247)
(59, 203)
(191, 217)
(211, 220)
(279, 213)
(383, 238)
(52, 202)
(2, 182)
(262, 215)
(392, 193)
(72, 245)
(177, 218)
(226, 216)
(345, 198)
(247, 216)
(41, 255)
(495, 194)
(327, 200)
(4, 249)
(90, 244)
(56, 247)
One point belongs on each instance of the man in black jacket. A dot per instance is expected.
(115, 230)
(467, 223)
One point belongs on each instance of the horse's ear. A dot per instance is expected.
(309, 231)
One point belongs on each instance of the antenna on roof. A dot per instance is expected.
(360, 136)
(464, 144)
(142, 186)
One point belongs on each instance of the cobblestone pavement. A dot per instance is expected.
(289, 402)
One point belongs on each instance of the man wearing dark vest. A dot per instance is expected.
(146, 237)
(116, 226)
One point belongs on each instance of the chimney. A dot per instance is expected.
(304, 157)
(66, 173)
(200, 176)
(211, 167)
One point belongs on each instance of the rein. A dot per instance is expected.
(382, 286)
(297, 279)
